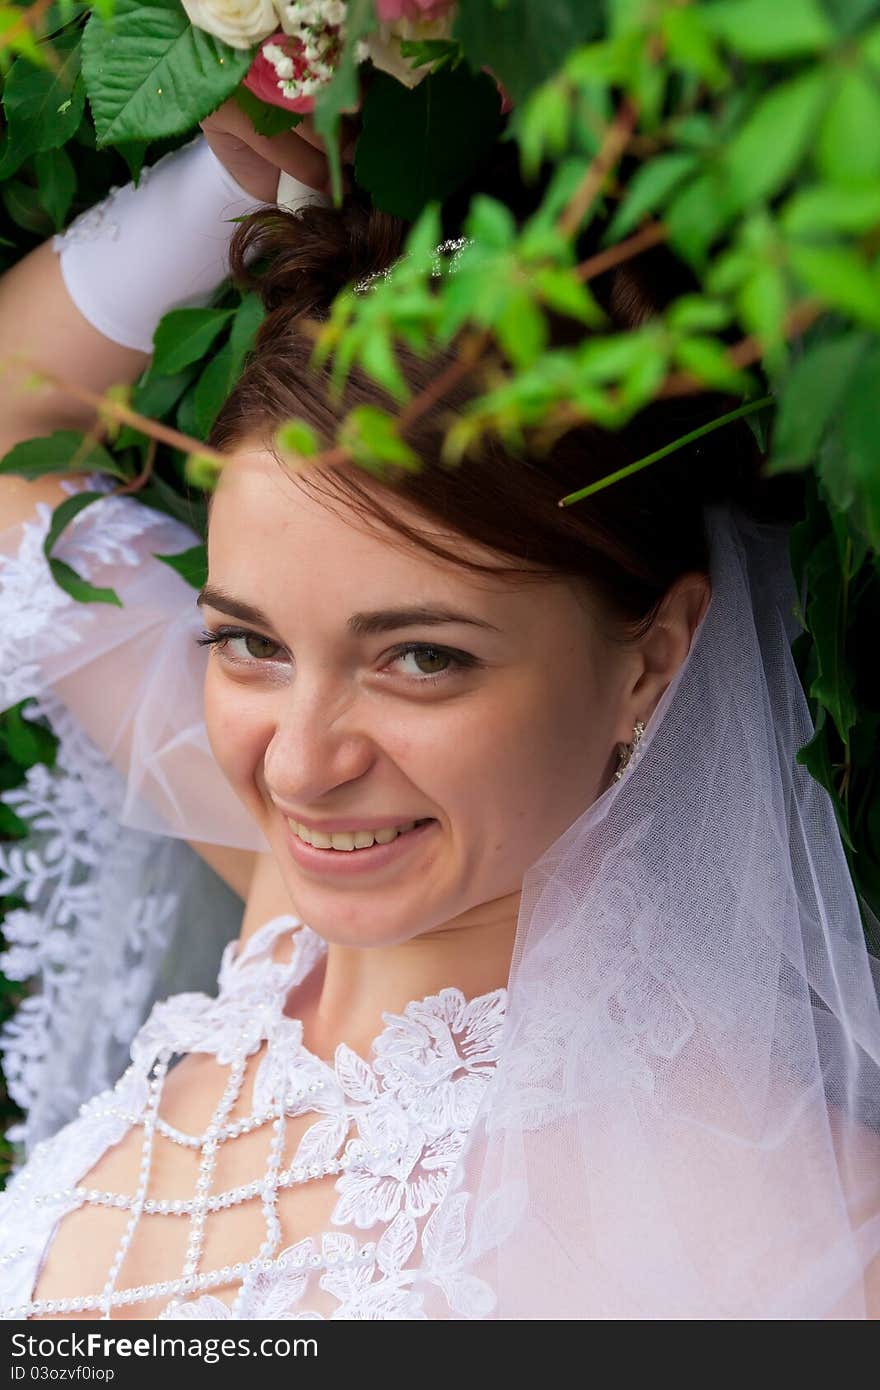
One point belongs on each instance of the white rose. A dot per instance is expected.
(383, 46)
(240, 23)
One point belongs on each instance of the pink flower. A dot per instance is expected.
(389, 11)
(281, 75)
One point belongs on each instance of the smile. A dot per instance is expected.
(355, 860)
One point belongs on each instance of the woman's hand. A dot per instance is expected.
(255, 161)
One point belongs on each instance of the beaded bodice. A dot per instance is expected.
(387, 1132)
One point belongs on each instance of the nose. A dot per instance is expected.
(318, 743)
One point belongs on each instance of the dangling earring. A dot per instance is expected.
(627, 750)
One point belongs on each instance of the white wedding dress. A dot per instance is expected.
(391, 1128)
(118, 906)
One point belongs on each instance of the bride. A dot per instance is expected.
(551, 997)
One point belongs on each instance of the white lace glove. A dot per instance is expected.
(163, 245)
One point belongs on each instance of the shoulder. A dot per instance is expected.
(19, 496)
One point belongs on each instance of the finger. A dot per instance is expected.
(295, 156)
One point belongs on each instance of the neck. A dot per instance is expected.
(344, 1001)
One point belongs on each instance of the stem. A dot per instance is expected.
(748, 351)
(615, 140)
(469, 354)
(145, 474)
(26, 21)
(633, 246)
(738, 414)
(154, 429)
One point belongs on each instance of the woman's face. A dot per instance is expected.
(502, 729)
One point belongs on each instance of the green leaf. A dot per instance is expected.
(22, 202)
(766, 152)
(156, 393)
(54, 453)
(439, 52)
(763, 303)
(21, 41)
(848, 146)
(377, 358)
(520, 327)
(56, 179)
(133, 152)
(297, 437)
(371, 436)
(64, 514)
(490, 223)
(245, 326)
(832, 208)
(690, 45)
(707, 360)
(265, 119)
(695, 218)
(562, 291)
(152, 74)
(28, 742)
(72, 583)
(440, 131)
(342, 92)
(839, 277)
(11, 825)
(852, 473)
(43, 108)
(762, 30)
(66, 577)
(650, 187)
(184, 336)
(693, 313)
(809, 398)
(542, 126)
(524, 41)
(832, 685)
(191, 565)
(212, 388)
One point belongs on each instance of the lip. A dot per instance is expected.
(351, 823)
(345, 863)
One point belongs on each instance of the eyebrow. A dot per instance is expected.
(359, 624)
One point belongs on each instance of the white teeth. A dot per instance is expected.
(348, 839)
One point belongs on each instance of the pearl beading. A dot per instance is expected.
(194, 1284)
(218, 1131)
(137, 1207)
(147, 1078)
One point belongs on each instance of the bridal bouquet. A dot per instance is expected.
(301, 42)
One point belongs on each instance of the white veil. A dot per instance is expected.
(685, 1118)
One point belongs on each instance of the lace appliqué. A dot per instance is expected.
(95, 224)
(409, 1108)
(76, 867)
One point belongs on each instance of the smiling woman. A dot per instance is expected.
(593, 1034)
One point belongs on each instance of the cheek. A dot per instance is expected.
(540, 763)
(236, 729)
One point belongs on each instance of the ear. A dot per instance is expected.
(664, 648)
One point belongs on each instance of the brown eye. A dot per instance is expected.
(260, 644)
(430, 656)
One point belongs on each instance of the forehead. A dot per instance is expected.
(265, 526)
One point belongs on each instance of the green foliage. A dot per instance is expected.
(442, 130)
(150, 73)
(42, 108)
(524, 41)
(59, 452)
(265, 119)
(191, 565)
(184, 336)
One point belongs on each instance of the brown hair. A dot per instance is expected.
(626, 544)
